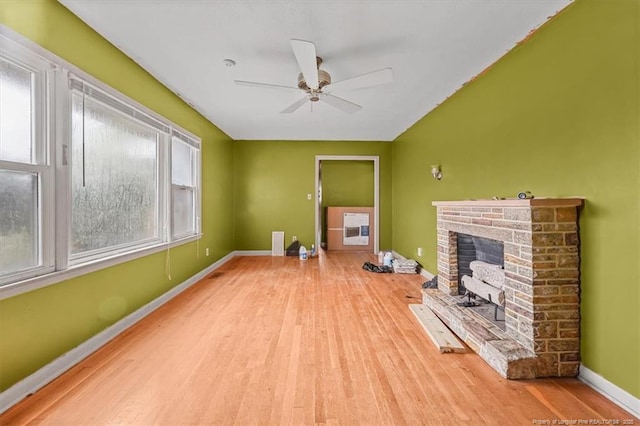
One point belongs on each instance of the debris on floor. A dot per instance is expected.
(406, 266)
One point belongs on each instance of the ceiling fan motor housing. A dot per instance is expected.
(323, 79)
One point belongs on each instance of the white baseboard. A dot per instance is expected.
(615, 394)
(57, 367)
(428, 275)
(397, 255)
(252, 253)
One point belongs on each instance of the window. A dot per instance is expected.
(126, 181)
(184, 183)
(23, 164)
(115, 175)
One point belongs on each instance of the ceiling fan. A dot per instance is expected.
(316, 83)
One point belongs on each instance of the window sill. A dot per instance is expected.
(24, 286)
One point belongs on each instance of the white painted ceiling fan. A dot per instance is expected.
(316, 83)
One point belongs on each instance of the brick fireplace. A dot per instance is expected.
(541, 337)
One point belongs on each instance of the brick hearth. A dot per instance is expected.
(542, 286)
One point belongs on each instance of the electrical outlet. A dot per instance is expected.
(206, 251)
(308, 196)
(294, 238)
(420, 251)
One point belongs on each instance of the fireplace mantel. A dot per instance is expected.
(542, 282)
(513, 202)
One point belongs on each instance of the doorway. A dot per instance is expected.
(376, 193)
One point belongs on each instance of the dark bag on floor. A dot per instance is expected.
(433, 283)
(368, 266)
(293, 249)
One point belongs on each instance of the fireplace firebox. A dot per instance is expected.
(471, 248)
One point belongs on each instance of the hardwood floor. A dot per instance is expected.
(279, 341)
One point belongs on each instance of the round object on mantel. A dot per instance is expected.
(526, 195)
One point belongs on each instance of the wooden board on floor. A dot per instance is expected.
(441, 336)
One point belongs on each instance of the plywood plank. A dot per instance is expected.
(441, 336)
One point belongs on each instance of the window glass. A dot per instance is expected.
(18, 221)
(181, 163)
(16, 86)
(183, 211)
(113, 180)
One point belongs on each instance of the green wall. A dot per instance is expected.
(557, 116)
(38, 326)
(346, 184)
(271, 183)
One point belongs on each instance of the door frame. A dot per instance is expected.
(376, 193)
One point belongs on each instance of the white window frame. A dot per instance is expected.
(55, 171)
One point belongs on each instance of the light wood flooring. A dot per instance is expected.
(280, 341)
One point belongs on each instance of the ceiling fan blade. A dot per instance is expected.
(295, 106)
(340, 103)
(264, 85)
(305, 53)
(374, 78)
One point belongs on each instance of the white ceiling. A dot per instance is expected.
(433, 46)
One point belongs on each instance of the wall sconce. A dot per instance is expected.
(436, 172)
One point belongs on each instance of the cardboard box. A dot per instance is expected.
(357, 232)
